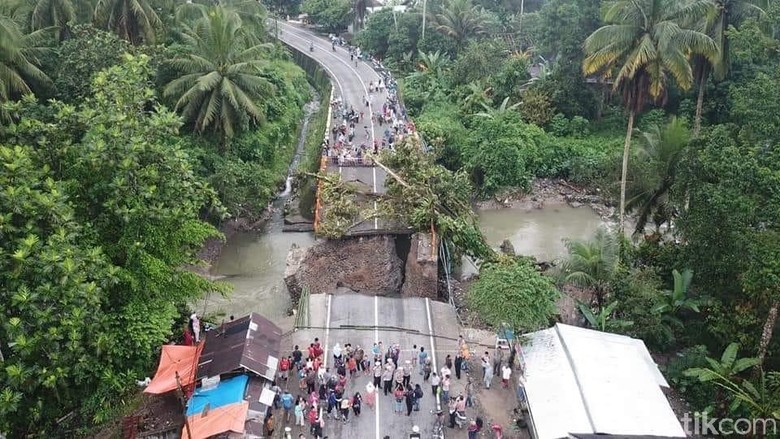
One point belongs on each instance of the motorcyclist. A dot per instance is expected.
(311, 46)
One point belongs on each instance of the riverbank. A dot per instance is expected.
(546, 192)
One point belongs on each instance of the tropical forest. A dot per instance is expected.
(131, 131)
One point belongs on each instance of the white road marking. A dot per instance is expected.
(376, 340)
(327, 331)
(376, 220)
(430, 336)
(314, 39)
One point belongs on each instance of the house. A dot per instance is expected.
(581, 383)
(232, 366)
(248, 344)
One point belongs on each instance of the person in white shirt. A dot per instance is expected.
(506, 374)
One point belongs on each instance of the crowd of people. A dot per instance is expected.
(331, 391)
(345, 145)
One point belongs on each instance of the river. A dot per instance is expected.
(536, 232)
(253, 262)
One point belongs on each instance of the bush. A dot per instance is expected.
(586, 161)
(698, 395)
(512, 291)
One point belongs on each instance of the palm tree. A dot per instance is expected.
(19, 61)
(645, 43)
(725, 13)
(133, 20)
(222, 79)
(53, 13)
(590, 264)
(460, 20)
(660, 151)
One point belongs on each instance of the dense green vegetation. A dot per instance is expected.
(124, 137)
(669, 107)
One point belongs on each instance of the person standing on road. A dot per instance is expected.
(458, 365)
(469, 391)
(435, 380)
(445, 387)
(299, 407)
(398, 396)
(409, 399)
(407, 373)
(485, 363)
(421, 359)
(498, 359)
(377, 374)
(387, 377)
(506, 374)
(357, 402)
(427, 369)
(418, 394)
(287, 404)
(488, 375)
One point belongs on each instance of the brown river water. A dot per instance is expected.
(254, 262)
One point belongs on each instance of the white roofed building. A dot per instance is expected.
(584, 382)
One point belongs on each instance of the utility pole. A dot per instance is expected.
(522, 7)
(180, 392)
(425, 12)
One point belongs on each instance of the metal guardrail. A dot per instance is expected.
(353, 161)
(303, 314)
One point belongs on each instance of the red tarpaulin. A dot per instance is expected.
(219, 420)
(175, 358)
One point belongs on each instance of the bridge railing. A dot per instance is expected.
(350, 161)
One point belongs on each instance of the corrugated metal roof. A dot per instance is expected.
(250, 343)
(584, 381)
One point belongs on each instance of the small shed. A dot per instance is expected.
(584, 382)
(248, 344)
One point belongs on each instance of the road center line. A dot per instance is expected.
(327, 331)
(376, 340)
(433, 347)
(314, 38)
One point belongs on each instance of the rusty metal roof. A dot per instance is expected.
(251, 343)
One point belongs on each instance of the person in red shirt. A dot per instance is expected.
(189, 340)
(284, 368)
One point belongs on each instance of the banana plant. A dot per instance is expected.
(605, 319)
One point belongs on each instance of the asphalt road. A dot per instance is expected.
(350, 82)
(364, 320)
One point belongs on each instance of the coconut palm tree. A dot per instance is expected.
(221, 82)
(590, 264)
(725, 13)
(660, 150)
(19, 61)
(461, 20)
(644, 44)
(53, 13)
(133, 20)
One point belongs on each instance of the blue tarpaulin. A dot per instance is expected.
(227, 392)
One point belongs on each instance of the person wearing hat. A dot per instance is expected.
(415, 433)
